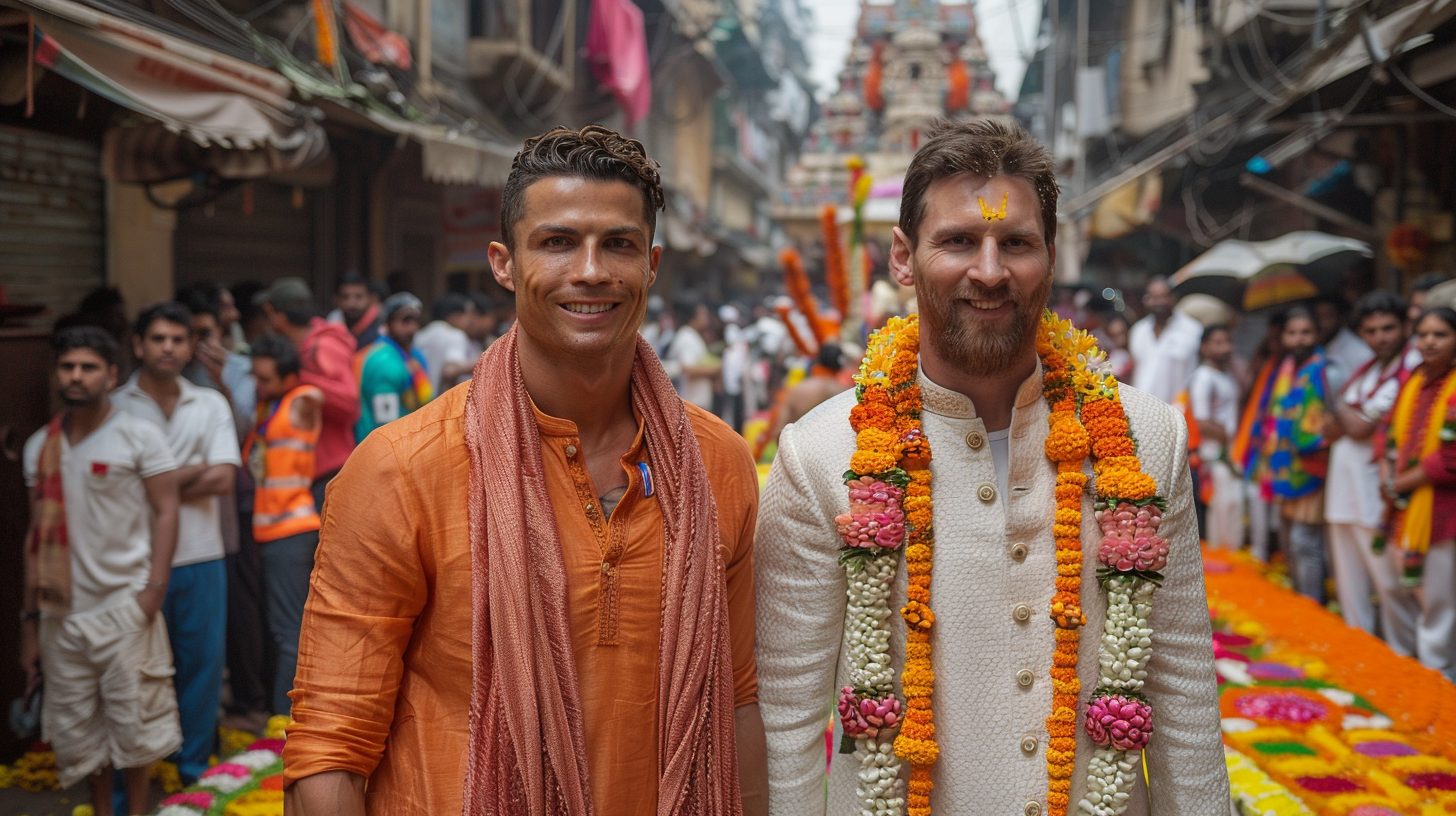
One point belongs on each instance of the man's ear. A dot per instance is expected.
(502, 265)
(900, 252)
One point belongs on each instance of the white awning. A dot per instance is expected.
(215, 101)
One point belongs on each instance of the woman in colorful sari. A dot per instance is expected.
(1418, 479)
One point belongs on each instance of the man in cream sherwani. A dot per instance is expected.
(977, 222)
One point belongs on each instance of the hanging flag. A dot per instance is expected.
(616, 50)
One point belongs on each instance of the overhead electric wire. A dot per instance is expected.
(1420, 93)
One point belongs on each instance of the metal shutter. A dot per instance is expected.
(52, 219)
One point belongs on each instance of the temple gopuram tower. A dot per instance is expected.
(911, 62)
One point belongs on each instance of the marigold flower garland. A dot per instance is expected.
(1087, 413)
(890, 510)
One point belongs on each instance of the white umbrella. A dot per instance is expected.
(1226, 270)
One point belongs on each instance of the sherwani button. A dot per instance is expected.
(1028, 745)
(570, 450)
(986, 492)
(1032, 809)
(1018, 552)
(975, 440)
(1022, 613)
(1024, 678)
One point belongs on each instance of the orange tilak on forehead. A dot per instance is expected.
(990, 214)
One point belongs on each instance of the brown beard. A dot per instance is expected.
(964, 342)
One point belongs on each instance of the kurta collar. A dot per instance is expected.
(954, 405)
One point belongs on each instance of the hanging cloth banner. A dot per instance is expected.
(616, 50)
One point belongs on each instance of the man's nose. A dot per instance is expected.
(593, 268)
(987, 268)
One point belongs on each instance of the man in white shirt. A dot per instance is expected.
(1164, 345)
(1344, 351)
(1353, 506)
(688, 362)
(98, 556)
(736, 360)
(1214, 397)
(982, 276)
(445, 343)
(198, 425)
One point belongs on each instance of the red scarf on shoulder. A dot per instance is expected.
(47, 545)
(527, 754)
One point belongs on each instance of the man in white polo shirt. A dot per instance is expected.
(198, 424)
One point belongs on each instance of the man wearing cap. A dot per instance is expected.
(326, 351)
(393, 379)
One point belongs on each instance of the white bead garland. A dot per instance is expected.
(1122, 661)
(877, 790)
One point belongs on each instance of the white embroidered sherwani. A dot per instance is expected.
(994, 562)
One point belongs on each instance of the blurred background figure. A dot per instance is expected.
(694, 369)
(1214, 401)
(1354, 509)
(737, 362)
(823, 382)
(1164, 345)
(356, 305)
(445, 342)
(392, 378)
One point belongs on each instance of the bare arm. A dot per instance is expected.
(1354, 423)
(1213, 431)
(209, 480)
(451, 373)
(752, 760)
(306, 412)
(162, 495)
(331, 793)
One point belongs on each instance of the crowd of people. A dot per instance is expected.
(190, 475)
(1333, 448)
(559, 588)
(233, 410)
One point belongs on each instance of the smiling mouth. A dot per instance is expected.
(588, 308)
(988, 305)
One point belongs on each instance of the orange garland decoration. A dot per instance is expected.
(836, 275)
(796, 283)
(1067, 444)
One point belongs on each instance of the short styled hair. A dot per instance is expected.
(170, 311)
(86, 337)
(1210, 331)
(1381, 301)
(983, 147)
(595, 153)
(278, 349)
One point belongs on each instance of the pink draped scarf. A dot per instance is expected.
(527, 749)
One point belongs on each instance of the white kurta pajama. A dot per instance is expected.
(990, 558)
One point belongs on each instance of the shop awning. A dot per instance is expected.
(238, 113)
(450, 156)
(1387, 33)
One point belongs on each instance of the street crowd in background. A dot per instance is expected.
(200, 440)
(1333, 447)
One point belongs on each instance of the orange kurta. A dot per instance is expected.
(384, 668)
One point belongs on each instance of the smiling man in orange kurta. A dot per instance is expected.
(535, 595)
